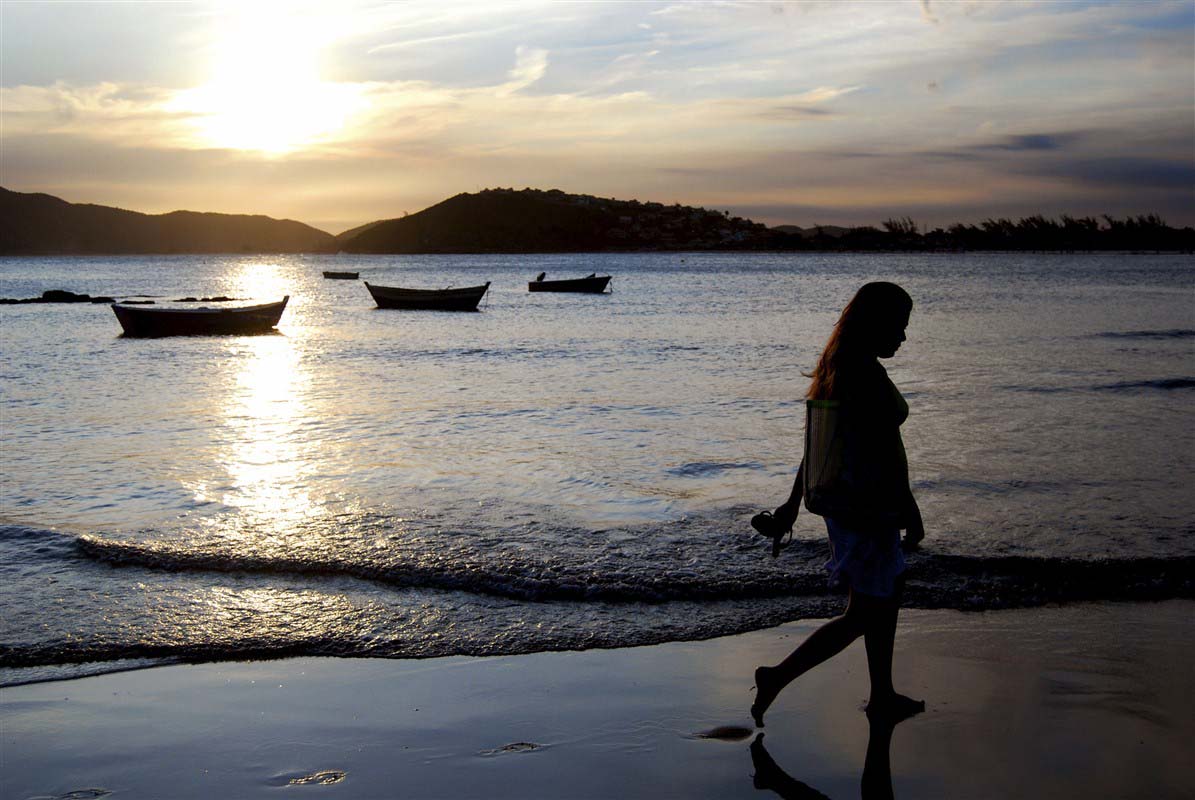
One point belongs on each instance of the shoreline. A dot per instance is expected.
(657, 251)
(1078, 700)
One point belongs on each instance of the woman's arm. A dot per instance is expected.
(787, 511)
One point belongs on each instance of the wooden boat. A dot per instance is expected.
(341, 276)
(464, 299)
(142, 321)
(592, 284)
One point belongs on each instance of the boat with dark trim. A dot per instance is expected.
(142, 321)
(341, 276)
(465, 298)
(591, 284)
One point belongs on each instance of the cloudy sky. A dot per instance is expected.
(340, 113)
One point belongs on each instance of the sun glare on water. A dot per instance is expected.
(264, 91)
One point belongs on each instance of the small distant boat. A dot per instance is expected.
(464, 299)
(341, 276)
(592, 284)
(142, 321)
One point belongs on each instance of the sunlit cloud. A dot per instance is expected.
(530, 65)
(346, 114)
(411, 44)
(105, 111)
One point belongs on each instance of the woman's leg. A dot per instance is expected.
(873, 618)
(821, 645)
(879, 638)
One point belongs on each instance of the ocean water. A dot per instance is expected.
(562, 471)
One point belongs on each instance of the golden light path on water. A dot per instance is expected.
(264, 467)
(263, 460)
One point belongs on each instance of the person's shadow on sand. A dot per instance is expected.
(877, 769)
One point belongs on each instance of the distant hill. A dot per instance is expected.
(535, 221)
(832, 231)
(351, 232)
(41, 224)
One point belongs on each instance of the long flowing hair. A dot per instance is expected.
(873, 307)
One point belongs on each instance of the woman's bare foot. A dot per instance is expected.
(894, 707)
(766, 690)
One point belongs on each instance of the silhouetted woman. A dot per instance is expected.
(859, 481)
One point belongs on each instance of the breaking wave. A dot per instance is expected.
(935, 580)
(153, 597)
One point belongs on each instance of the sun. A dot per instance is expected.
(264, 91)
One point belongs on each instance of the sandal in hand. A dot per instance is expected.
(767, 524)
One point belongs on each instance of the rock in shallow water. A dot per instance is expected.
(56, 296)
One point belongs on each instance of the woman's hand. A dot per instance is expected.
(914, 529)
(913, 536)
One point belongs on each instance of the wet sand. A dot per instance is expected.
(1080, 701)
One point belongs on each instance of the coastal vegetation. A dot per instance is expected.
(1142, 232)
(539, 221)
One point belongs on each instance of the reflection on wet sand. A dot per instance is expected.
(769, 776)
(876, 783)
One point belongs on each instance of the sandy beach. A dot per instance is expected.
(1080, 701)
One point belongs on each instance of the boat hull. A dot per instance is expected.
(341, 276)
(595, 285)
(153, 322)
(465, 298)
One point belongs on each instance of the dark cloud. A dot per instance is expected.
(794, 112)
(1027, 143)
(966, 154)
(1127, 172)
(831, 155)
(1035, 141)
